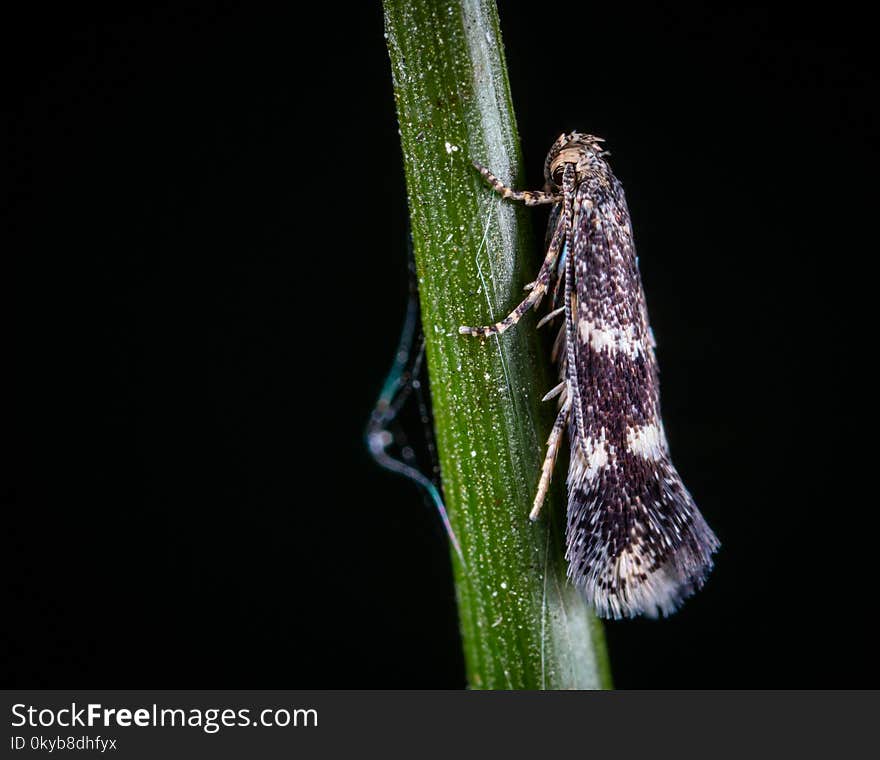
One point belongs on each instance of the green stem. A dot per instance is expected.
(523, 625)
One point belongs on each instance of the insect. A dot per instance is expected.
(636, 544)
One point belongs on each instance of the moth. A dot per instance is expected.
(636, 544)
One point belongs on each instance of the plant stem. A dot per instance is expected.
(523, 625)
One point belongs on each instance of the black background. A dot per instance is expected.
(200, 198)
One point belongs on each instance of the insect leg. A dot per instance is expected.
(550, 317)
(532, 299)
(554, 392)
(558, 343)
(550, 460)
(529, 197)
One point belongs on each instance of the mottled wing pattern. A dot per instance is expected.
(636, 543)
